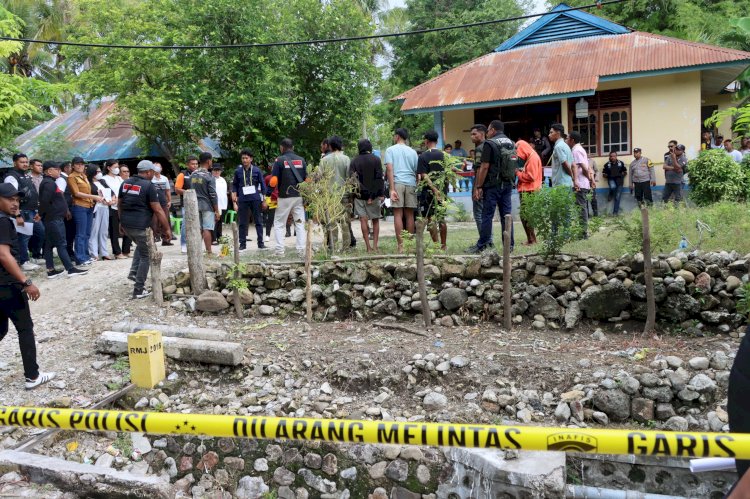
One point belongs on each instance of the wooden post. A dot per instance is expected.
(308, 270)
(195, 247)
(237, 274)
(426, 314)
(507, 292)
(154, 257)
(648, 275)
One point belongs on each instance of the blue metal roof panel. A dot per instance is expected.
(557, 25)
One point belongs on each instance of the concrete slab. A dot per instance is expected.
(487, 473)
(86, 480)
(193, 333)
(207, 352)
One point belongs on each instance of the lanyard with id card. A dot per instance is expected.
(248, 190)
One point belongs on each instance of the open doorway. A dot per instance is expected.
(520, 121)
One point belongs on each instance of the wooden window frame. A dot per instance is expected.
(607, 101)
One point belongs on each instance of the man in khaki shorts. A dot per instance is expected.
(401, 167)
(368, 170)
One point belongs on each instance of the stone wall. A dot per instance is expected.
(693, 290)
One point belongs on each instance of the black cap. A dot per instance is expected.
(8, 191)
(77, 160)
(680, 147)
(637, 149)
(50, 164)
(217, 166)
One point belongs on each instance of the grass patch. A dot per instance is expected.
(124, 444)
(122, 364)
(723, 226)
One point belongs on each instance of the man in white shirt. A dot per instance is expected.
(733, 153)
(221, 194)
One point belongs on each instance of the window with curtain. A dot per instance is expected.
(607, 126)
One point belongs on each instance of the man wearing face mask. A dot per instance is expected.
(161, 182)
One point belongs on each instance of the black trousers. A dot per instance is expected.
(268, 218)
(738, 406)
(218, 227)
(114, 231)
(14, 307)
(70, 235)
(244, 211)
(642, 191)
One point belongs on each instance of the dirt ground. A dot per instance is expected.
(72, 312)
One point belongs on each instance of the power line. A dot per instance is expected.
(306, 42)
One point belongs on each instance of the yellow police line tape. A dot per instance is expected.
(653, 443)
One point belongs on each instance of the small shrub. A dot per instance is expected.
(555, 217)
(715, 176)
(664, 225)
(743, 304)
(460, 213)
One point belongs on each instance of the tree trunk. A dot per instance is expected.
(155, 258)
(426, 314)
(195, 247)
(507, 292)
(648, 275)
(237, 274)
(308, 270)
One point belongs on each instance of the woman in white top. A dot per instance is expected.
(222, 197)
(113, 181)
(100, 227)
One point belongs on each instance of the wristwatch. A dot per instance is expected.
(27, 283)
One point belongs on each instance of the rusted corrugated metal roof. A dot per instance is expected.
(94, 139)
(561, 67)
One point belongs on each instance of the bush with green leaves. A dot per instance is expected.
(715, 176)
(555, 217)
(664, 224)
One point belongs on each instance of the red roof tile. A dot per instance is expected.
(561, 68)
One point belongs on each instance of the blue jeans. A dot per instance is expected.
(23, 239)
(55, 232)
(615, 190)
(494, 198)
(84, 219)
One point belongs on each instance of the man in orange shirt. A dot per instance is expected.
(529, 180)
(181, 185)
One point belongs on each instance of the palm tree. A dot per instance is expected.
(42, 20)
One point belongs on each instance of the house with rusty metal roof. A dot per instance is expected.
(619, 88)
(92, 136)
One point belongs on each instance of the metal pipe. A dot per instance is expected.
(587, 492)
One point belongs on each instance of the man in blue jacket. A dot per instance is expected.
(248, 192)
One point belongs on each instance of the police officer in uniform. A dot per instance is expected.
(138, 203)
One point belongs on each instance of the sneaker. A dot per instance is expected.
(142, 294)
(121, 257)
(262, 246)
(131, 277)
(86, 263)
(184, 249)
(38, 261)
(474, 250)
(76, 271)
(214, 243)
(40, 380)
(243, 248)
(53, 274)
(167, 243)
(28, 266)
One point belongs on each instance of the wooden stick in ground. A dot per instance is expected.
(195, 245)
(154, 257)
(648, 275)
(426, 313)
(507, 292)
(237, 275)
(308, 270)
(397, 327)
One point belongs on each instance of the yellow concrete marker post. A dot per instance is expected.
(146, 354)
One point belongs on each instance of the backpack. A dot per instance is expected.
(503, 171)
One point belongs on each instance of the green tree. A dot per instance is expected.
(416, 59)
(243, 97)
(20, 97)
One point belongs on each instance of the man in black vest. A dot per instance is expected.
(138, 203)
(20, 179)
(288, 171)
